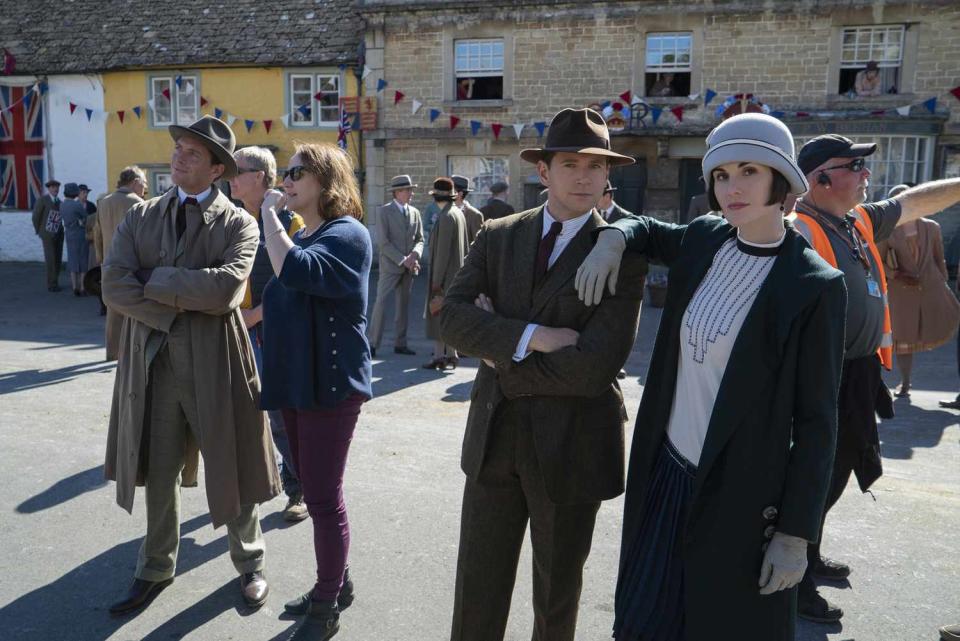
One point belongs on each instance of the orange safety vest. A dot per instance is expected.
(821, 244)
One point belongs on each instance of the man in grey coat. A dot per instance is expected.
(48, 226)
(399, 241)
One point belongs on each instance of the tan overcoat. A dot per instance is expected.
(923, 311)
(449, 244)
(200, 283)
(110, 211)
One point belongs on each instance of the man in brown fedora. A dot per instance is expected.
(186, 379)
(544, 439)
(399, 239)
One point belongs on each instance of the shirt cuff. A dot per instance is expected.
(522, 352)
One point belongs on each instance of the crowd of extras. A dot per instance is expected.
(238, 309)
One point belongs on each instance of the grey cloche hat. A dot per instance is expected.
(759, 138)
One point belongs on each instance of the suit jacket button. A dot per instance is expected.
(770, 513)
(769, 531)
(132, 396)
(489, 406)
(163, 253)
(136, 347)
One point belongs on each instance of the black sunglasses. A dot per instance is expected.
(295, 173)
(241, 171)
(854, 165)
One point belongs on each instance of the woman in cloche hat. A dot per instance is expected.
(732, 452)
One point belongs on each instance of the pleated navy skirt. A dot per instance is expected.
(649, 597)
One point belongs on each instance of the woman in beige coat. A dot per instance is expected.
(449, 243)
(923, 310)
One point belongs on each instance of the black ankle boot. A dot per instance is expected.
(301, 604)
(321, 623)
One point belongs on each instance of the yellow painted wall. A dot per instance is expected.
(254, 93)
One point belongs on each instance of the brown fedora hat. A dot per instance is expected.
(580, 131)
(217, 136)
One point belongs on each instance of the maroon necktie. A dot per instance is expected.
(547, 243)
(182, 215)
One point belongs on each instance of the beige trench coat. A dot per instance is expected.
(203, 285)
(449, 244)
(110, 211)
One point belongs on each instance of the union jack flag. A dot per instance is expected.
(21, 147)
(344, 129)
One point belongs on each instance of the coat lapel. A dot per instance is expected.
(750, 363)
(526, 240)
(566, 265)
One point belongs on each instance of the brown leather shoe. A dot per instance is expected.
(141, 593)
(254, 588)
(296, 509)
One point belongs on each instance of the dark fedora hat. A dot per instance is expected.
(442, 188)
(83, 187)
(217, 136)
(71, 190)
(461, 183)
(580, 131)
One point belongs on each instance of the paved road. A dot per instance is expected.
(70, 551)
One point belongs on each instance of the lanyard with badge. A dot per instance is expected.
(858, 249)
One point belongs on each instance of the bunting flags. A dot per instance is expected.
(73, 107)
(453, 122)
(89, 114)
(203, 101)
(475, 126)
(678, 112)
(518, 129)
(540, 127)
(381, 85)
(904, 111)
(304, 109)
(931, 104)
(137, 110)
(166, 93)
(655, 113)
(415, 107)
(434, 114)
(625, 96)
(366, 72)
(397, 96)
(707, 99)
(267, 124)
(218, 113)
(318, 96)
(249, 124)
(496, 127)
(231, 119)
(120, 115)
(179, 82)
(285, 119)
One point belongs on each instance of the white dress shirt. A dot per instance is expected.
(199, 197)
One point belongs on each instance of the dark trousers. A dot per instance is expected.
(53, 256)
(856, 414)
(497, 505)
(319, 443)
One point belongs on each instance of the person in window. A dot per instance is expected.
(732, 451)
(316, 359)
(867, 82)
(465, 88)
(663, 86)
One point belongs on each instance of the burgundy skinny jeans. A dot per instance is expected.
(319, 443)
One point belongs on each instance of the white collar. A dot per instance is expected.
(399, 204)
(609, 210)
(199, 197)
(570, 227)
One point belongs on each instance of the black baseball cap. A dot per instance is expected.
(823, 148)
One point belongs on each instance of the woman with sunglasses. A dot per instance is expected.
(733, 445)
(316, 358)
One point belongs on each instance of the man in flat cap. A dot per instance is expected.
(48, 226)
(497, 206)
(399, 241)
(544, 440)
(186, 379)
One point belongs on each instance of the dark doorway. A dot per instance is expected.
(631, 184)
(691, 184)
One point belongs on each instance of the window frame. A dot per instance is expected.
(480, 71)
(661, 68)
(478, 197)
(177, 96)
(315, 76)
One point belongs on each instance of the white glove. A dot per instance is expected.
(784, 563)
(601, 267)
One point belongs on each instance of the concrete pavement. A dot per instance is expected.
(70, 551)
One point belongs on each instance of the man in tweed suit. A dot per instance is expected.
(399, 240)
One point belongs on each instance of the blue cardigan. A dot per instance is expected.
(315, 350)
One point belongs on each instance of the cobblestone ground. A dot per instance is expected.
(70, 551)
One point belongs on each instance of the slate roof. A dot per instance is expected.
(87, 36)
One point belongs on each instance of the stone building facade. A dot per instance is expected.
(530, 59)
